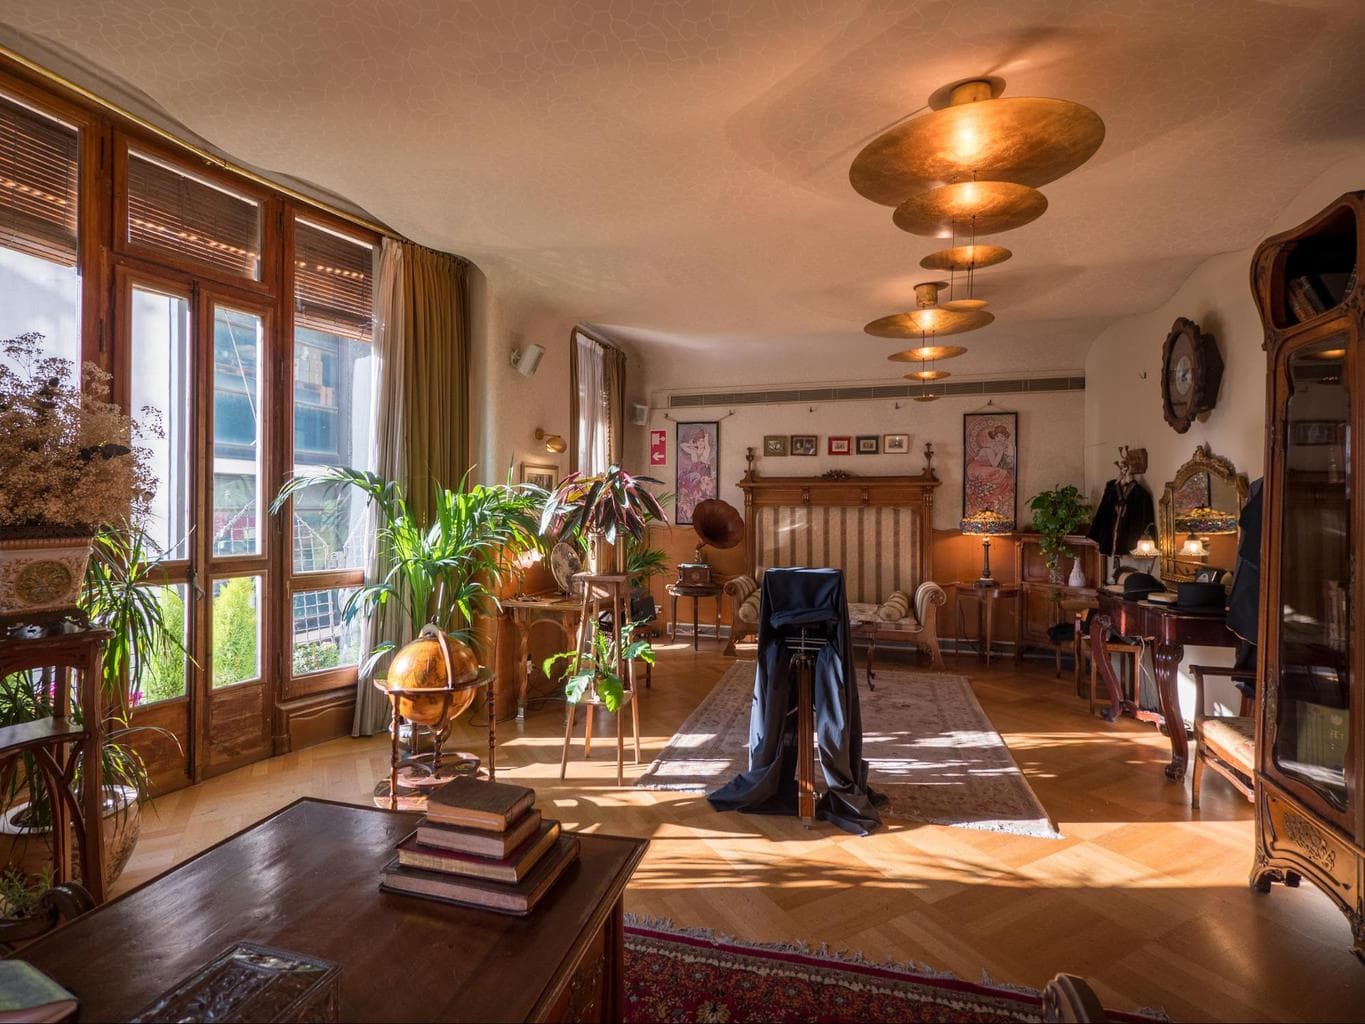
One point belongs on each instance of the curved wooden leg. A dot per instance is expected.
(1166, 666)
(1098, 628)
(1198, 779)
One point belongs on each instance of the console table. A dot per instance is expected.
(1167, 630)
(306, 879)
(557, 609)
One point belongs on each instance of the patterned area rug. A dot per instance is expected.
(931, 749)
(675, 976)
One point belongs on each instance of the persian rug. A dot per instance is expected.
(690, 975)
(930, 748)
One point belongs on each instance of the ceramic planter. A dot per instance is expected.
(41, 576)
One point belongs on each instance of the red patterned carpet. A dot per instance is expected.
(677, 977)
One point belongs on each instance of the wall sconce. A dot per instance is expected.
(554, 443)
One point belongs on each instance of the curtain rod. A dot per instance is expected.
(169, 136)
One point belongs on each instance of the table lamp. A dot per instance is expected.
(1146, 547)
(986, 524)
(1199, 524)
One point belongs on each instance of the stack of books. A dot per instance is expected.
(481, 844)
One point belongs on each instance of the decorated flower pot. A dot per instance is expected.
(41, 575)
(30, 849)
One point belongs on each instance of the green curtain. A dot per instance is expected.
(422, 404)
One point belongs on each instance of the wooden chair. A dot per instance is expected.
(1131, 670)
(1227, 743)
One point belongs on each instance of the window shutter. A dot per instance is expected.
(38, 184)
(186, 217)
(333, 283)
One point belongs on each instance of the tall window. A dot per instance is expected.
(592, 453)
(333, 412)
(39, 191)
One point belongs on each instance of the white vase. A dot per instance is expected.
(1077, 577)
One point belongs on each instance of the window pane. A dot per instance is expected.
(236, 432)
(160, 381)
(236, 630)
(189, 217)
(321, 640)
(332, 424)
(39, 285)
(163, 671)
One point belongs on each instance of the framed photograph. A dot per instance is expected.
(990, 463)
(658, 447)
(841, 445)
(868, 444)
(895, 444)
(775, 444)
(805, 444)
(1317, 433)
(542, 474)
(698, 446)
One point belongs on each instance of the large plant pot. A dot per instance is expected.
(605, 558)
(41, 575)
(30, 849)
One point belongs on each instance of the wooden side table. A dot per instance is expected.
(986, 598)
(696, 591)
(556, 609)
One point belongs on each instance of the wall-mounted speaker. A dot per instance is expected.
(639, 414)
(527, 361)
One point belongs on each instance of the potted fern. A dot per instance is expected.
(1057, 514)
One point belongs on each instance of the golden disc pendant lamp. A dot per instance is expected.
(965, 259)
(928, 317)
(1024, 140)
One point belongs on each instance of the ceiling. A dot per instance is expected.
(677, 172)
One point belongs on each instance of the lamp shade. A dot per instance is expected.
(1193, 547)
(1206, 521)
(1145, 548)
(987, 523)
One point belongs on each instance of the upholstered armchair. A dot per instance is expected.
(898, 618)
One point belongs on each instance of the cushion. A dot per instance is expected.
(1235, 738)
(748, 609)
(895, 607)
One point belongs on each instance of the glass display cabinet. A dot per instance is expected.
(1311, 712)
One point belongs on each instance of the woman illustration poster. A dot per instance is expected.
(698, 467)
(990, 459)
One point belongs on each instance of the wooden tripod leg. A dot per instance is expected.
(587, 735)
(394, 757)
(634, 712)
(620, 749)
(568, 738)
(805, 746)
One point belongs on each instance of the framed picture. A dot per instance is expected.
(542, 474)
(868, 444)
(841, 445)
(698, 446)
(1195, 492)
(1317, 433)
(775, 444)
(804, 444)
(658, 447)
(895, 444)
(990, 463)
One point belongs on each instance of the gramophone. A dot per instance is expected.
(717, 524)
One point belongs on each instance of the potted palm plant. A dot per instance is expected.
(68, 465)
(1057, 514)
(445, 571)
(119, 595)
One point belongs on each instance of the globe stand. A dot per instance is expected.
(413, 775)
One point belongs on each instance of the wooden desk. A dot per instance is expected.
(1167, 630)
(554, 608)
(986, 597)
(307, 879)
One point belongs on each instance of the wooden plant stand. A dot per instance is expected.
(59, 744)
(609, 594)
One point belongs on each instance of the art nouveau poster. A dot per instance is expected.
(698, 466)
(990, 463)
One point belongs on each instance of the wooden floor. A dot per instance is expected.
(1144, 897)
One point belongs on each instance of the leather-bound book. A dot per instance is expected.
(470, 803)
(508, 870)
(27, 994)
(519, 899)
(477, 841)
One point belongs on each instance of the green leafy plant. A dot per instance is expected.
(595, 670)
(607, 505)
(643, 562)
(1056, 514)
(445, 571)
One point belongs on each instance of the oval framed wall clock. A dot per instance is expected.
(1191, 372)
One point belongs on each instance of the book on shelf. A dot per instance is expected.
(509, 870)
(519, 899)
(477, 841)
(27, 994)
(472, 803)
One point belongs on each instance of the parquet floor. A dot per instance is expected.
(1143, 897)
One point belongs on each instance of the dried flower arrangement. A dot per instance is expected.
(69, 462)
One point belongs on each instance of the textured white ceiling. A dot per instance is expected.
(677, 171)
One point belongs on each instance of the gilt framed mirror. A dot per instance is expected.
(1198, 517)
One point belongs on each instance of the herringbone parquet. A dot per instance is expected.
(1143, 897)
